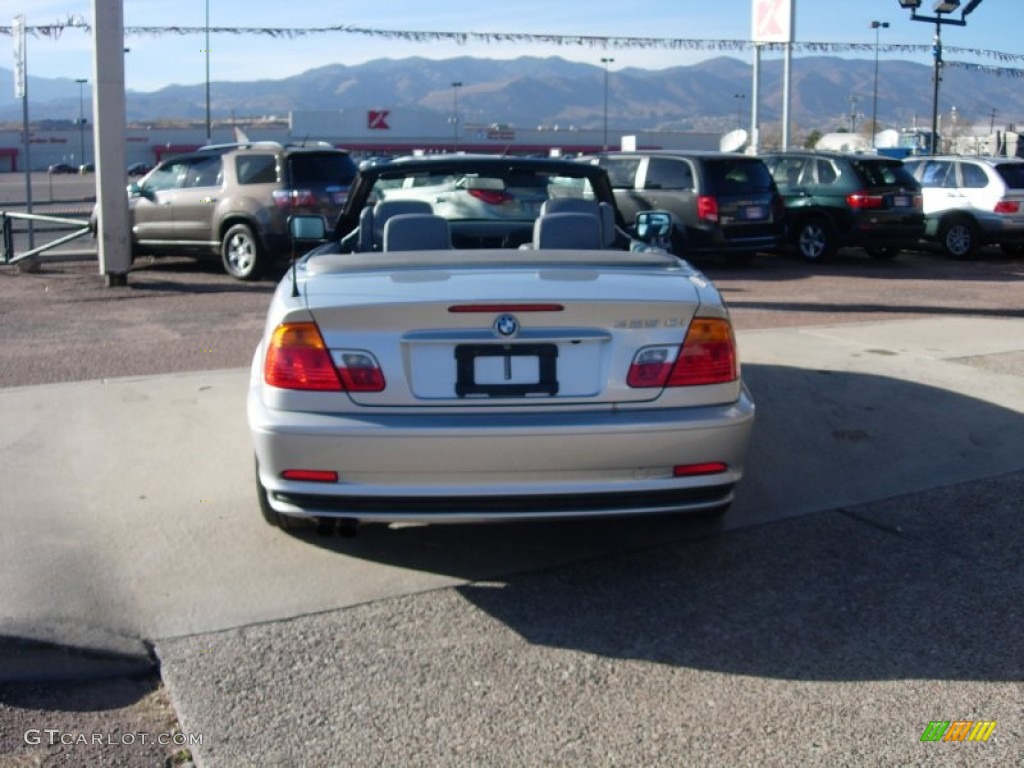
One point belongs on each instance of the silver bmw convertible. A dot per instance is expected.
(433, 361)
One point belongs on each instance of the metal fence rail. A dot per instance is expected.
(78, 227)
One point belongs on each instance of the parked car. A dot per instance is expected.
(972, 201)
(60, 168)
(87, 168)
(836, 199)
(433, 368)
(721, 203)
(139, 169)
(234, 200)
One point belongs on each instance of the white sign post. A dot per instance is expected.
(773, 23)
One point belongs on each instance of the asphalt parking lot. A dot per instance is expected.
(866, 583)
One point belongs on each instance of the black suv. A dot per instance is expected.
(721, 203)
(837, 199)
(233, 201)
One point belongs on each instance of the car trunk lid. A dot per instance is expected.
(525, 330)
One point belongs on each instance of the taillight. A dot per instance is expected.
(359, 372)
(287, 199)
(862, 200)
(297, 358)
(651, 367)
(1007, 206)
(707, 208)
(707, 356)
(491, 196)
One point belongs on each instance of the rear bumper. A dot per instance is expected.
(866, 232)
(711, 241)
(480, 467)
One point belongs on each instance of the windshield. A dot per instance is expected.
(883, 173)
(321, 168)
(738, 176)
(514, 195)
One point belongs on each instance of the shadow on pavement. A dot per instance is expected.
(925, 587)
(911, 574)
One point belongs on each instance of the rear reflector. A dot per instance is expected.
(506, 308)
(311, 475)
(707, 468)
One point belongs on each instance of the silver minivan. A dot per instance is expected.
(972, 201)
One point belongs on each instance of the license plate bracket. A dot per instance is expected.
(466, 356)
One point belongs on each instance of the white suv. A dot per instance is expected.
(972, 201)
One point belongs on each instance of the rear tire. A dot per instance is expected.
(959, 238)
(272, 516)
(814, 241)
(242, 253)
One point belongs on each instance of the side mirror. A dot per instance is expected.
(307, 228)
(654, 228)
(134, 190)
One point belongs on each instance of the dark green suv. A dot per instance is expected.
(837, 199)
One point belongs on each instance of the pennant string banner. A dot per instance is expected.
(56, 29)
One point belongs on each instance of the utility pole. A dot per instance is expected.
(854, 98)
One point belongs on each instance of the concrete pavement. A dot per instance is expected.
(129, 510)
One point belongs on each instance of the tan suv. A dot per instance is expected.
(234, 200)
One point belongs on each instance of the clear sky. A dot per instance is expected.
(159, 60)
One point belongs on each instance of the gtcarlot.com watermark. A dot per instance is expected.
(54, 736)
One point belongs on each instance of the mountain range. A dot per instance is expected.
(712, 95)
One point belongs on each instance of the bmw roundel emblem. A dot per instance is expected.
(506, 325)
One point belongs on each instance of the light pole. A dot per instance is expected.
(739, 108)
(606, 60)
(940, 9)
(81, 115)
(878, 26)
(455, 112)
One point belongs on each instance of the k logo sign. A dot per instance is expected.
(377, 119)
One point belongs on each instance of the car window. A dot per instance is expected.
(935, 173)
(668, 173)
(621, 171)
(882, 173)
(826, 171)
(739, 175)
(787, 171)
(169, 176)
(204, 172)
(972, 176)
(321, 168)
(1012, 173)
(256, 169)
